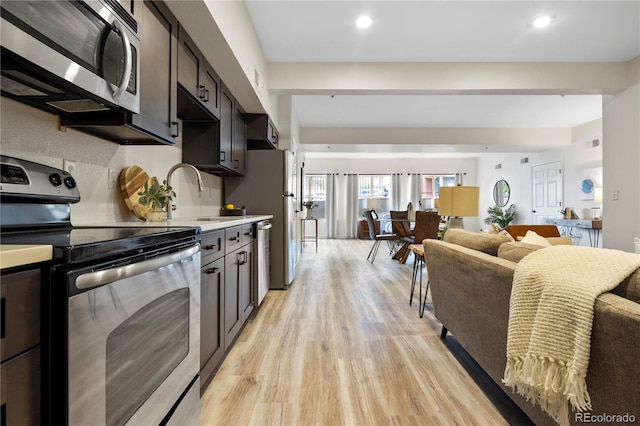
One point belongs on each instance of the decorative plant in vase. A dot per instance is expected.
(157, 197)
(309, 205)
(501, 217)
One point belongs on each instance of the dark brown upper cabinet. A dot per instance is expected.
(261, 132)
(199, 86)
(217, 147)
(239, 147)
(157, 121)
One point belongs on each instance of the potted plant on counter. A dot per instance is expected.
(157, 197)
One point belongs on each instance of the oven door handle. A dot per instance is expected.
(100, 278)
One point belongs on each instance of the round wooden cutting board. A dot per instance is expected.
(132, 180)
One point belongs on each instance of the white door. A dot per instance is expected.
(547, 191)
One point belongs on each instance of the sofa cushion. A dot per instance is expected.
(532, 238)
(556, 241)
(629, 288)
(484, 242)
(515, 251)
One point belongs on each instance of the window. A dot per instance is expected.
(373, 193)
(431, 187)
(315, 189)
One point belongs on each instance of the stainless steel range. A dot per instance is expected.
(122, 308)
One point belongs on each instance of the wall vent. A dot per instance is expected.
(524, 160)
(257, 79)
(498, 166)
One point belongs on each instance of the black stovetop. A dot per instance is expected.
(73, 245)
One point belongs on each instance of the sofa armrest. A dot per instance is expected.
(614, 373)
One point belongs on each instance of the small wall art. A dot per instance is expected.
(587, 189)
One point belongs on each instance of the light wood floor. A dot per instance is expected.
(342, 346)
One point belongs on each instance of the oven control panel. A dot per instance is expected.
(26, 179)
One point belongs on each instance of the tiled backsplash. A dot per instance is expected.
(33, 135)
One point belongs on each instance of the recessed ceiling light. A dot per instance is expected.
(363, 22)
(543, 21)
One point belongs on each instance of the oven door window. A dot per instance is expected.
(142, 352)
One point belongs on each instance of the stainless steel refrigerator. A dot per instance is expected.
(269, 188)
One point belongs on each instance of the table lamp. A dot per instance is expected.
(458, 202)
(596, 212)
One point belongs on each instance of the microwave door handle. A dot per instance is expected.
(127, 60)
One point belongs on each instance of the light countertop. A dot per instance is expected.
(18, 255)
(205, 224)
(12, 255)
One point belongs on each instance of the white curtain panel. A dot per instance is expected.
(332, 222)
(415, 190)
(396, 193)
(352, 206)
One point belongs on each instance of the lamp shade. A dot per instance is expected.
(597, 195)
(459, 201)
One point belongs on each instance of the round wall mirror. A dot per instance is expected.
(501, 193)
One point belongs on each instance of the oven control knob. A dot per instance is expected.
(69, 182)
(55, 179)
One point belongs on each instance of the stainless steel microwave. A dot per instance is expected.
(70, 56)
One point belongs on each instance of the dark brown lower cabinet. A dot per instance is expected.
(20, 367)
(211, 324)
(226, 285)
(20, 389)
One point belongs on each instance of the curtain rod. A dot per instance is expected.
(386, 174)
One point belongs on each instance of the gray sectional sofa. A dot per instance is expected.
(471, 275)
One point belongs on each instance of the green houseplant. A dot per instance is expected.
(157, 197)
(499, 216)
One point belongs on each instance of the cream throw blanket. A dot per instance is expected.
(550, 318)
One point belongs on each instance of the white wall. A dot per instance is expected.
(621, 161)
(33, 135)
(579, 160)
(517, 175)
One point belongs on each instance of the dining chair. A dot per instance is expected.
(401, 226)
(426, 227)
(391, 239)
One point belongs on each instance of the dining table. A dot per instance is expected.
(403, 252)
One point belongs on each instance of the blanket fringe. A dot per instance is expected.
(549, 383)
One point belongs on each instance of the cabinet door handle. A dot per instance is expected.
(233, 238)
(222, 156)
(235, 164)
(206, 95)
(247, 233)
(210, 247)
(177, 132)
(212, 270)
(201, 92)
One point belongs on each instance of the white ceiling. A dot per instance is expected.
(446, 31)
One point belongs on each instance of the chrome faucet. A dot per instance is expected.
(172, 207)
